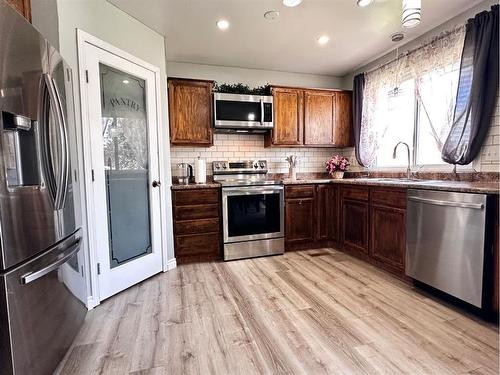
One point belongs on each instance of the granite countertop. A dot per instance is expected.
(480, 186)
(192, 185)
(486, 187)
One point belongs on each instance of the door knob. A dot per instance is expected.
(156, 183)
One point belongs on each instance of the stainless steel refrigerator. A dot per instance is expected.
(42, 279)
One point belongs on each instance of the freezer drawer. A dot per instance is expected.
(446, 242)
(39, 315)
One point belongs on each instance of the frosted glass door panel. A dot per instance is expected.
(125, 143)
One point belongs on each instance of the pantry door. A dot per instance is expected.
(123, 122)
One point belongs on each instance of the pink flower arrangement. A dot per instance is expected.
(337, 163)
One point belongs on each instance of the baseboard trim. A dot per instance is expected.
(91, 303)
(171, 264)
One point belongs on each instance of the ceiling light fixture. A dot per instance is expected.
(363, 3)
(126, 81)
(223, 24)
(410, 17)
(291, 3)
(323, 40)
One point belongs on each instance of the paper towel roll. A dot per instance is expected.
(200, 171)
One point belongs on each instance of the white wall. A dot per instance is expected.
(489, 158)
(251, 77)
(106, 22)
(44, 18)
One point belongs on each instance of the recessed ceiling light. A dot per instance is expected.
(126, 81)
(323, 39)
(271, 15)
(364, 3)
(291, 3)
(223, 24)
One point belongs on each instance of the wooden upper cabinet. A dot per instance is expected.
(23, 7)
(190, 112)
(343, 135)
(288, 117)
(318, 118)
(311, 117)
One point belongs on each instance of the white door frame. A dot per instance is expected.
(82, 38)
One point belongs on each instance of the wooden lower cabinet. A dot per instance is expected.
(197, 223)
(311, 216)
(299, 221)
(355, 218)
(355, 225)
(327, 213)
(388, 228)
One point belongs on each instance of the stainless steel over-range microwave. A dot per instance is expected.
(251, 113)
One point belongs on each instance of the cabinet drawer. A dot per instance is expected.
(200, 244)
(197, 226)
(355, 192)
(202, 211)
(302, 191)
(389, 197)
(196, 196)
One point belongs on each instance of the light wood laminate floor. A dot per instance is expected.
(310, 312)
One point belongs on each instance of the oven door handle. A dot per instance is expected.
(245, 191)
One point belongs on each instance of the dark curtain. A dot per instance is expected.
(477, 89)
(357, 108)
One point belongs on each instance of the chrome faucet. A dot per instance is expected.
(408, 171)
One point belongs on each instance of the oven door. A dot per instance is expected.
(233, 111)
(253, 213)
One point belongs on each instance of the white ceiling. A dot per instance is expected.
(288, 43)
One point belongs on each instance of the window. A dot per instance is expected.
(411, 100)
(418, 112)
(397, 117)
(436, 102)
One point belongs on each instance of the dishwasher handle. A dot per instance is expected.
(437, 202)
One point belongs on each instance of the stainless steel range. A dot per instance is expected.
(252, 209)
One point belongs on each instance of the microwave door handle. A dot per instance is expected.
(261, 111)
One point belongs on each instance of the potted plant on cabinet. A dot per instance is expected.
(336, 166)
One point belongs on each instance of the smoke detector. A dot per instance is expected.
(271, 15)
(397, 37)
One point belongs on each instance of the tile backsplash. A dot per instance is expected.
(251, 146)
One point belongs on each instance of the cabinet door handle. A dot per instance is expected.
(156, 183)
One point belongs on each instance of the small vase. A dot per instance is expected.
(337, 175)
(292, 174)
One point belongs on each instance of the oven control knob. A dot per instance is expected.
(217, 165)
(256, 165)
(224, 165)
(262, 164)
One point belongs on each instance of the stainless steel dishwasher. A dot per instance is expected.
(445, 246)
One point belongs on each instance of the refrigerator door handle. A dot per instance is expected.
(45, 108)
(35, 275)
(59, 116)
(65, 167)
